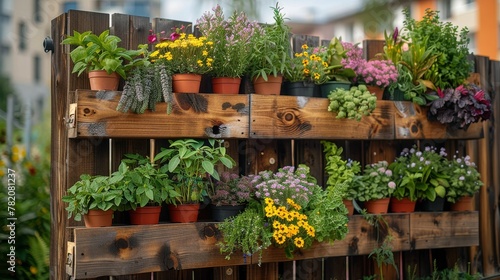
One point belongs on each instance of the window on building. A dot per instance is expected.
(349, 32)
(37, 11)
(70, 5)
(472, 42)
(445, 8)
(37, 67)
(22, 36)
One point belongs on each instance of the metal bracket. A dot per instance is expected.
(70, 120)
(70, 258)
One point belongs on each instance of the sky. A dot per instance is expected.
(294, 10)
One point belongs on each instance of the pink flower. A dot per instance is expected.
(152, 37)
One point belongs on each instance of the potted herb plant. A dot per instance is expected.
(291, 219)
(100, 56)
(95, 198)
(145, 188)
(374, 187)
(377, 73)
(268, 59)
(338, 76)
(340, 173)
(232, 47)
(464, 180)
(230, 195)
(183, 56)
(420, 174)
(306, 70)
(191, 163)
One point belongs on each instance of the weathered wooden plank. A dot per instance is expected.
(122, 250)
(281, 117)
(361, 240)
(444, 230)
(193, 115)
(411, 122)
(133, 249)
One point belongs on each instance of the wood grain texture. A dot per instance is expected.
(444, 230)
(281, 117)
(122, 250)
(193, 115)
(411, 122)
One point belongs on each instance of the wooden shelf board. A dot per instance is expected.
(122, 250)
(193, 115)
(244, 116)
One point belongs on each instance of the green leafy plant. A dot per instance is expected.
(271, 48)
(353, 103)
(232, 39)
(420, 174)
(246, 232)
(464, 179)
(291, 218)
(376, 182)
(144, 183)
(189, 161)
(340, 172)
(333, 55)
(100, 52)
(93, 192)
(445, 41)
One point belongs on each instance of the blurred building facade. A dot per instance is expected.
(369, 21)
(25, 23)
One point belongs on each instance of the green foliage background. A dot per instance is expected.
(32, 201)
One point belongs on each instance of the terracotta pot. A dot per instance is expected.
(404, 205)
(183, 213)
(327, 87)
(101, 80)
(186, 83)
(98, 218)
(377, 206)
(299, 89)
(225, 85)
(463, 204)
(350, 207)
(222, 212)
(270, 87)
(147, 215)
(377, 91)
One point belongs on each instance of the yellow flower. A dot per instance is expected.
(304, 47)
(276, 224)
(280, 239)
(33, 270)
(299, 242)
(311, 231)
(282, 228)
(269, 201)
